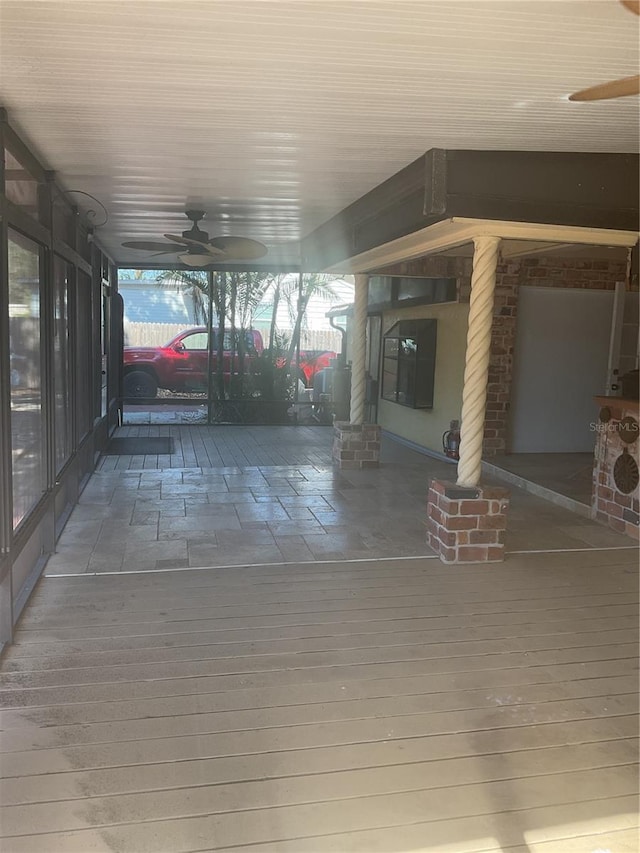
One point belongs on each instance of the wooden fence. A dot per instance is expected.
(157, 334)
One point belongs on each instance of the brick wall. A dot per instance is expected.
(437, 266)
(503, 333)
(618, 510)
(573, 272)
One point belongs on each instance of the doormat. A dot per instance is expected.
(138, 446)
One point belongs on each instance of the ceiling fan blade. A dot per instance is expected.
(632, 6)
(175, 239)
(239, 248)
(151, 247)
(193, 260)
(614, 89)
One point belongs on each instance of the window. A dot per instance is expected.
(27, 422)
(84, 360)
(61, 362)
(197, 341)
(21, 187)
(408, 363)
(402, 291)
(249, 342)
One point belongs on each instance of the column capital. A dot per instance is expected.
(486, 240)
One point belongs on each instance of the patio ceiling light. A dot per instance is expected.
(193, 260)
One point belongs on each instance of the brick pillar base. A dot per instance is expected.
(356, 445)
(466, 525)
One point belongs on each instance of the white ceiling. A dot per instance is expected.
(273, 116)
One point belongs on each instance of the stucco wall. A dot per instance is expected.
(425, 426)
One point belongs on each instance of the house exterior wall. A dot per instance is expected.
(425, 426)
(588, 274)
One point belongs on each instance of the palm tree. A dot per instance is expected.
(235, 298)
(298, 295)
(195, 283)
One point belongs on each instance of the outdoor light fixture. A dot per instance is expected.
(194, 260)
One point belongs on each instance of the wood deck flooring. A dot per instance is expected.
(380, 707)
(228, 446)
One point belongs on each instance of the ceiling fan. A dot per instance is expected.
(615, 88)
(197, 249)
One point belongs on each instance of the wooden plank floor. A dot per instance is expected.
(367, 706)
(226, 446)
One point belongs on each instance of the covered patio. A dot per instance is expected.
(272, 638)
(307, 675)
(237, 495)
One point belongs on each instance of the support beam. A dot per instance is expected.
(358, 349)
(474, 392)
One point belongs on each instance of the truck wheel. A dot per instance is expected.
(139, 384)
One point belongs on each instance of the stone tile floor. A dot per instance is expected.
(152, 518)
(568, 474)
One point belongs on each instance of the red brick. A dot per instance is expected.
(495, 553)
(623, 500)
(472, 554)
(483, 537)
(447, 537)
(461, 522)
(449, 555)
(478, 507)
(449, 507)
(492, 522)
(615, 509)
(462, 537)
(365, 455)
(435, 513)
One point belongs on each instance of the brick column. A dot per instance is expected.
(356, 445)
(616, 498)
(467, 525)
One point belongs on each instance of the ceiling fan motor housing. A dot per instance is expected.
(195, 233)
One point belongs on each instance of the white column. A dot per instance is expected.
(358, 349)
(476, 371)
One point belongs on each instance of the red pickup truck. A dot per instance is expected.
(181, 365)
